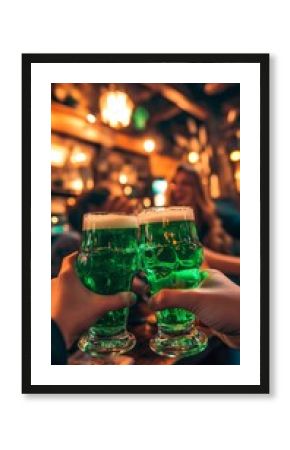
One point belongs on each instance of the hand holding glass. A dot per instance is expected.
(106, 265)
(171, 256)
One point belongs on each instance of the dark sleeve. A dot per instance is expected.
(63, 246)
(58, 348)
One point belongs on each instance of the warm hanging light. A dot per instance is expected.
(116, 108)
(77, 185)
(91, 118)
(127, 190)
(79, 157)
(193, 157)
(54, 219)
(149, 145)
(235, 155)
(58, 156)
(147, 202)
(123, 178)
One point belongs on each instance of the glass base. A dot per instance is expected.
(104, 346)
(179, 346)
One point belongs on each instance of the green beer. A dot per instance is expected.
(171, 256)
(106, 265)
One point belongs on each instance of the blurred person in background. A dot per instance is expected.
(186, 189)
(99, 200)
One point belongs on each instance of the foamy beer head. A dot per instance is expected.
(102, 221)
(163, 214)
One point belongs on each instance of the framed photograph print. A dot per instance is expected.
(145, 223)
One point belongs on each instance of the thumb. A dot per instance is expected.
(114, 302)
(177, 298)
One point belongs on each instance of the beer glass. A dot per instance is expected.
(106, 264)
(171, 255)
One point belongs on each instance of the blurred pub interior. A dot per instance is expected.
(131, 138)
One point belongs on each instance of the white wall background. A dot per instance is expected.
(222, 422)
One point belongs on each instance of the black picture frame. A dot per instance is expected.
(263, 61)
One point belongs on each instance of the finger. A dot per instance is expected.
(112, 204)
(114, 302)
(211, 278)
(68, 261)
(187, 298)
(108, 204)
(121, 205)
(173, 298)
(140, 287)
(131, 208)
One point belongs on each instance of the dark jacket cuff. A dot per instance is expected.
(58, 348)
